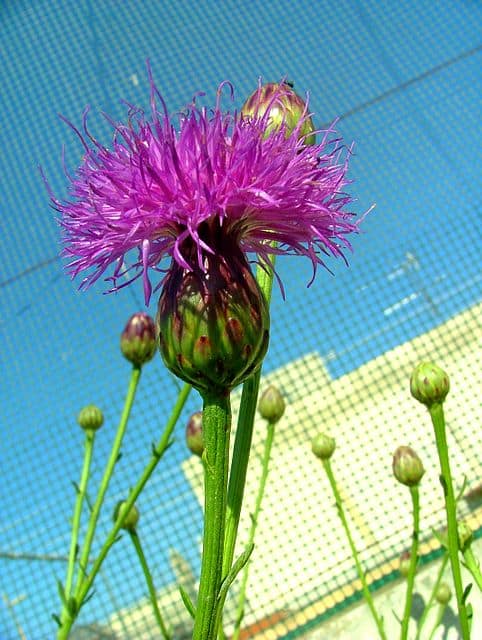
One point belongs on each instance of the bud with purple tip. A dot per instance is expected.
(194, 434)
(429, 384)
(282, 107)
(138, 340)
(407, 466)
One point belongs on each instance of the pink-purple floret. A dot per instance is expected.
(158, 182)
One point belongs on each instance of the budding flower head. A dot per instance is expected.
(429, 384)
(323, 446)
(404, 566)
(443, 593)
(90, 418)
(465, 534)
(213, 324)
(271, 405)
(132, 518)
(194, 434)
(407, 466)
(281, 107)
(138, 340)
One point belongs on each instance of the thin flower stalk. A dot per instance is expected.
(438, 420)
(361, 574)
(254, 523)
(81, 491)
(158, 452)
(431, 600)
(134, 536)
(414, 494)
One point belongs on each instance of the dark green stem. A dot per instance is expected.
(254, 522)
(438, 421)
(157, 454)
(413, 562)
(361, 574)
(216, 431)
(431, 600)
(150, 584)
(242, 449)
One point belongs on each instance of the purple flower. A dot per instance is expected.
(160, 183)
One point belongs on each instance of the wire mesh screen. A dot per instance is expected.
(405, 80)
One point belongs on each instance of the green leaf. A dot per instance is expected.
(187, 602)
(235, 569)
(61, 592)
(57, 619)
(467, 590)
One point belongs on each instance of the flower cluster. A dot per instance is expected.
(162, 183)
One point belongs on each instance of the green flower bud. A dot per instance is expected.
(323, 446)
(132, 518)
(90, 418)
(465, 534)
(404, 566)
(138, 340)
(271, 405)
(213, 323)
(443, 593)
(285, 108)
(429, 384)
(194, 434)
(407, 466)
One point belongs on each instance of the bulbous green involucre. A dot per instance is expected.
(271, 404)
(213, 323)
(429, 384)
(407, 466)
(138, 340)
(282, 107)
(132, 518)
(323, 446)
(90, 418)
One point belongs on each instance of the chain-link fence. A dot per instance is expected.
(405, 81)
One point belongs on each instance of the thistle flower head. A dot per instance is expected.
(162, 180)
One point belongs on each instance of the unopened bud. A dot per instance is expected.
(194, 434)
(443, 593)
(271, 405)
(131, 519)
(284, 107)
(429, 384)
(90, 418)
(465, 534)
(407, 466)
(404, 566)
(323, 446)
(138, 340)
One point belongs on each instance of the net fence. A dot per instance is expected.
(405, 82)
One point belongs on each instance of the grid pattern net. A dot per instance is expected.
(405, 82)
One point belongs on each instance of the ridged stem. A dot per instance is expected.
(216, 431)
(438, 420)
